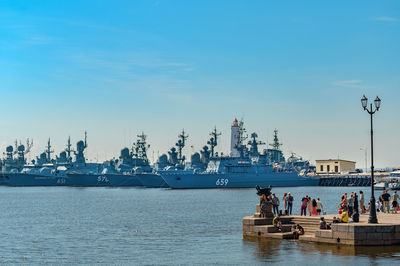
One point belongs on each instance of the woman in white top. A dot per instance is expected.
(320, 207)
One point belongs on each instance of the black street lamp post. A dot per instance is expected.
(372, 209)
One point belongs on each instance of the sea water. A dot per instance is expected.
(63, 225)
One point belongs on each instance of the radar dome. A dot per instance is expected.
(195, 158)
(124, 153)
(80, 146)
(163, 159)
(9, 149)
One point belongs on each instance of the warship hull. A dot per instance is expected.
(88, 180)
(33, 180)
(121, 180)
(221, 180)
(151, 180)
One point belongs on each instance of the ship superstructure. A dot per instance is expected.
(245, 167)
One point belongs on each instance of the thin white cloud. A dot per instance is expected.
(352, 83)
(384, 18)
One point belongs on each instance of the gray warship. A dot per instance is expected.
(133, 168)
(83, 174)
(41, 172)
(244, 167)
(45, 171)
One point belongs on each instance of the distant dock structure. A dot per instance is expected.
(343, 173)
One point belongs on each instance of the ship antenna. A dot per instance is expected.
(85, 139)
(16, 147)
(29, 145)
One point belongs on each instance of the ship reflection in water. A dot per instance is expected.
(307, 253)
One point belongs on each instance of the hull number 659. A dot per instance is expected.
(222, 182)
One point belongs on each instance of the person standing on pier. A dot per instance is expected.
(290, 203)
(395, 201)
(345, 202)
(275, 204)
(351, 204)
(284, 199)
(362, 206)
(320, 207)
(314, 207)
(303, 206)
(385, 198)
(310, 206)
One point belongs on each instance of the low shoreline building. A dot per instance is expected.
(335, 166)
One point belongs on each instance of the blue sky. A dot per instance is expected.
(116, 68)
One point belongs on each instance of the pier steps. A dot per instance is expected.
(262, 227)
(309, 223)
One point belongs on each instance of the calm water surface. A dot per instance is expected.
(156, 226)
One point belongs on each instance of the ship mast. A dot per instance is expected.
(180, 144)
(242, 131)
(48, 151)
(140, 147)
(213, 140)
(276, 145)
(68, 149)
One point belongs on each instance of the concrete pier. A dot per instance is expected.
(386, 232)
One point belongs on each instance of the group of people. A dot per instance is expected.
(275, 202)
(388, 203)
(314, 206)
(352, 205)
(349, 207)
(287, 200)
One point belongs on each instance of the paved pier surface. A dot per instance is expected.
(386, 232)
